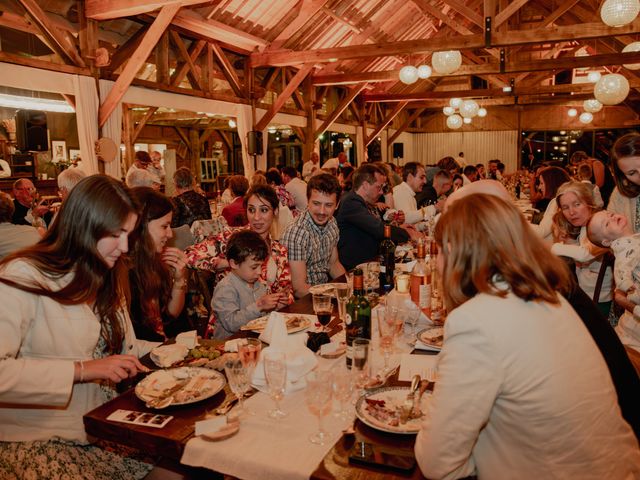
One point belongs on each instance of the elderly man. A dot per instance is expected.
(189, 205)
(360, 230)
(311, 166)
(67, 179)
(156, 165)
(13, 237)
(296, 187)
(312, 239)
(24, 210)
(142, 178)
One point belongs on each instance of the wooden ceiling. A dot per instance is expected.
(336, 60)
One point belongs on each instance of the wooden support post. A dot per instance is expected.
(127, 136)
(194, 140)
(310, 137)
(88, 36)
(162, 60)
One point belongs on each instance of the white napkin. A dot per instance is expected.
(167, 355)
(188, 339)
(411, 365)
(300, 360)
(233, 344)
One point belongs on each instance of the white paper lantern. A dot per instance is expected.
(617, 13)
(408, 74)
(469, 109)
(572, 112)
(482, 112)
(455, 102)
(446, 62)
(632, 47)
(586, 117)
(454, 121)
(611, 89)
(448, 111)
(592, 105)
(424, 71)
(593, 77)
(466, 119)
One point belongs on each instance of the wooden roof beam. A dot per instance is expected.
(143, 121)
(194, 52)
(406, 124)
(387, 120)
(62, 42)
(507, 13)
(436, 12)
(110, 9)
(469, 14)
(140, 56)
(227, 69)
(502, 39)
(284, 96)
(341, 107)
(189, 61)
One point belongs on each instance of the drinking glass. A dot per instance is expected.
(275, 372)
(318, 398)
(386, 333)
(238, 381)
(360, 363)
(322, 308)
(342, 390)
(411, 316)
(249, 353)
(342, 295)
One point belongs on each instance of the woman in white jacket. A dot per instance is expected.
(66, 338)
(522, 390)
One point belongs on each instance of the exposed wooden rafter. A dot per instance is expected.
(110, 9)
(227, 69)
(387, 120)
(405, 124)
(186, 56)
(341, 107)
(143, 121)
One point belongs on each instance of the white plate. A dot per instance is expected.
(428, 337)
(328, 288)
(200, 384)
(259, 324)
(393, 397)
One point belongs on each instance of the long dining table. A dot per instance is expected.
(170, 441)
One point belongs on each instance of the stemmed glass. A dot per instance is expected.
(249, 353)
(322, 309)
(238, 381)
(342, 390)
(342, 295)
(318, 398)
(275, 372)
(386, 333)
(360, 364)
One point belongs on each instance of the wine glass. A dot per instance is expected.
(360, 360)
(249, 353)
(238, 381)
(318, 398)
(342, 295)
(275, 372)
(322, 308)
(386, 333)
(342, 390)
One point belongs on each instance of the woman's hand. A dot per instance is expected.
(621, 299)
(268, 302)
(115, 368)
(176, 259)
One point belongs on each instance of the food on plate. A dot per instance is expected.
(433, 336)
(380, 411)
(292, 322)
(178, 386)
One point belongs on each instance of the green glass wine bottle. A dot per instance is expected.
(358, 321)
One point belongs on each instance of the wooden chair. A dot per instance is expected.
(607, 262)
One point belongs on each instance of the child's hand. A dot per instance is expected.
(283, 300)
(268, 302)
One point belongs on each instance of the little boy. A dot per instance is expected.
(607, 229)
(239, 297)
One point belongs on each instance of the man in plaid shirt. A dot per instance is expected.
(312, 239)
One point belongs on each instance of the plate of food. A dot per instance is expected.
(432, 337)
(296, 322)
(327, 288)
(179, 386)
(382, 409)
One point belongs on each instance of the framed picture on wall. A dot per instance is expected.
(59, 151)
(74, 155)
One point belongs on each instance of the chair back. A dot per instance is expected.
(182, 237)
(201, 229)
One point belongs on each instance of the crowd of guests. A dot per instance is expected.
(112, 285)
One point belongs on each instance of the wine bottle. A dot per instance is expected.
(358, 319)
(387, 255)
(420, 288)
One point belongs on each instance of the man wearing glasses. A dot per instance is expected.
(360, 230)
(23, 200)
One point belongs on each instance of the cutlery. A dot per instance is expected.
(415, 411)
(226, 406)
(408, 406)
(166, 398)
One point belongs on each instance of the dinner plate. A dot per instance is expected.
(327, 288)
(394, 398)
(197, 384)
(432, 337)
(259, 324)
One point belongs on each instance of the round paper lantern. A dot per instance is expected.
(454, 121)
(448, 111)
(632, 47)
(466, 119)
(592, 105)
(408, 74)
(482, 112)
(424, 71)
(469, 109)
(572, 112)
(611, 89)
(593, 77)
(455, 102)
(586, 117)
(617, 13)
(446, 62)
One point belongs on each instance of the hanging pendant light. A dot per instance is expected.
(593, 77)
(592, 105)
(424, 71)
(572, 112)
(482, 112)
(611, 89)
(454, 121)
(469, 109)
(448, 111)
(466, 120)
(586, 117)
(617, 13)
(455, 103)
(632, 47)
(446, 62)
(408, 74)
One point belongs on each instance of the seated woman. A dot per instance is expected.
(189, 205)
(549, 181)
(66, 338)
(261, 203)
(522, 390)
(158, 275)
(575, 206)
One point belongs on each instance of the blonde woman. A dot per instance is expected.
(522, 390)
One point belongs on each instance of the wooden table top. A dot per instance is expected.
(170, 440)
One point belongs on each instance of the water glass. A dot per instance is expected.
(318, 398)
(360, 363)
(322, 308)
(238, 381)
(275, 372)
(386, 333)
(342, 390)
(343, 293)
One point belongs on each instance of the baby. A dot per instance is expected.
(607, 229)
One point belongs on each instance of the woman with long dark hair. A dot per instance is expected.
(65, 337)
(158, 273)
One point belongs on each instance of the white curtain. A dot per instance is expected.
(112, 129)
(478, 147)
(87, 106)
(244, 125)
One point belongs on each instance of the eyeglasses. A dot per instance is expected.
(26, 189)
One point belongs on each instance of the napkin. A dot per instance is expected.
(188, 339)
(233, 344)
(411, 365)
(167, 355)
(210, 425)
(300, 360)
